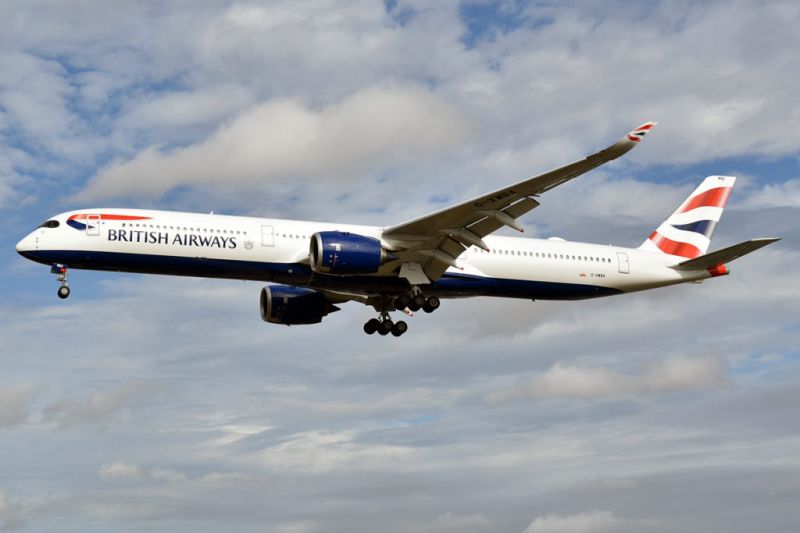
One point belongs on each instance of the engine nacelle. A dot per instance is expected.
(281, 304)
(337, 252)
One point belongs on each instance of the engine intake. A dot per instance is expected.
(281, 304)
(337, 252)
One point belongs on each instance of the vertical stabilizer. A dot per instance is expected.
(687, 232)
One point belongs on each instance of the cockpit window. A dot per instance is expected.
(50, 224)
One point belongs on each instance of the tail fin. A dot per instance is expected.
(687, 232)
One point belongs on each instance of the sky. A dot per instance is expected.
(166, 404)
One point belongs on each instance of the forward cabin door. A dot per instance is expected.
(93, 225)
(624, 265)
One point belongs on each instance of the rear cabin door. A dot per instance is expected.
(267, 235)
(624, 265)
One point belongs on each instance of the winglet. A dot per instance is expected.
(638, 134)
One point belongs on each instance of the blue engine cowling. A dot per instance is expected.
(337, 252)
(281, 304)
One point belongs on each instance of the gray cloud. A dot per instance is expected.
(13, 513)
(15, 404)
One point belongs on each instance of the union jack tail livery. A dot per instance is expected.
(687, 232)
(638, 134)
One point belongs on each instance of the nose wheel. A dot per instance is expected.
(61, 272)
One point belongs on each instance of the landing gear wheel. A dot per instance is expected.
(63, 292)
(402, 301)
(431, 304)
(371, 326)
(386, 327)
(399, 328)
(417, 301)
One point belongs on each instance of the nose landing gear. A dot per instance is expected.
(61, 272)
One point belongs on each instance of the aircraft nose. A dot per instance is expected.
(25, 245)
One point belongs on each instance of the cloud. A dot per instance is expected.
(454, 522)
(591, 522)
(323, 427)
(14, 404)
(99, 406)
(672, 374)
(282, 139)
(785, 194)
(13, 513)
(317, 451)
(166, 474)
(119, 471)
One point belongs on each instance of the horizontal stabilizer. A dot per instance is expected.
(725, 255)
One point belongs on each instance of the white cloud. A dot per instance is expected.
(283, 139)
(14, 404)
(119, 471)
(99, 406)
(187, 108)
(316, 451)
(782, 194)
(672, 374)
(591, 522)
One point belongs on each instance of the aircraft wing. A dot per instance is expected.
(432, 243)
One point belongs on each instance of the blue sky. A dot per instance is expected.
(165, 404)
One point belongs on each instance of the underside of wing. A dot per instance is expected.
(432, 243)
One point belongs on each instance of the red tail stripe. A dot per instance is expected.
(711, 198)
(634, 139)
(668, 246)
(644, 127)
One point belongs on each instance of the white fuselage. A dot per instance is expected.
(263, 249)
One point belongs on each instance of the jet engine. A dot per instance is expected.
(281, 304)
(343, 253)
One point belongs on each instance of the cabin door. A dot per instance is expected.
(624, 265)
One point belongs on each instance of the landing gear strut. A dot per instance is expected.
(61, 272)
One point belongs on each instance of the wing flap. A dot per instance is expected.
(489, 225)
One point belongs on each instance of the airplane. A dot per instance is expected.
(451, 253)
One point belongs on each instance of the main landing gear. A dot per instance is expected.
(385, 325)
(405, 302)
(61, 272)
